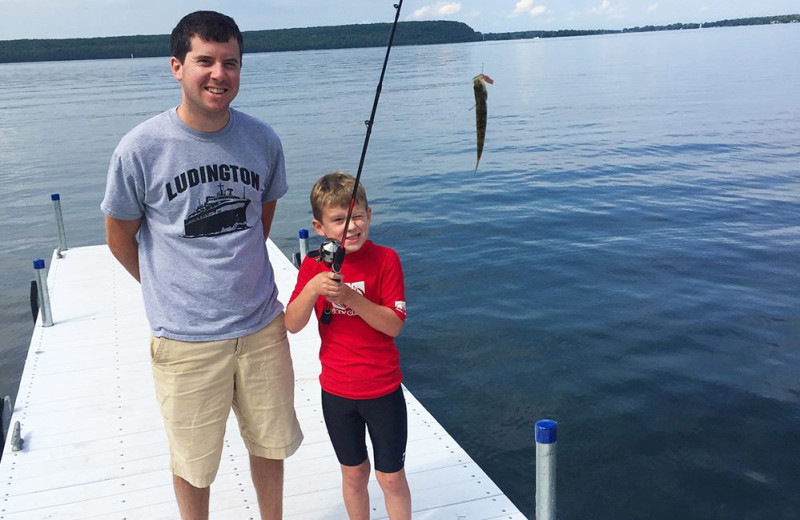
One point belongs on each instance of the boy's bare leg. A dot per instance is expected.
(192, 501)
(268, 480)
(396, 494)
(354, 490)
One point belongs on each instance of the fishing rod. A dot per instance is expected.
(330, 251)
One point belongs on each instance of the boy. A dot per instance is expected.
(361, 375)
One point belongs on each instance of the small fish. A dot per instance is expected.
(479, 86)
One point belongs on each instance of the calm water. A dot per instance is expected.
(625, 260)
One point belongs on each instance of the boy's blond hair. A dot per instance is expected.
(335, 190)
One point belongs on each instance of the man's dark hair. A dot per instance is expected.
(210, 26)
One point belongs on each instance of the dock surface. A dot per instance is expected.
(94, 441)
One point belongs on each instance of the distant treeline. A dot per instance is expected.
(276, 40)
(309, 38)
(763, 20)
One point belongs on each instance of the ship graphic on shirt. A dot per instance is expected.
(219, 214)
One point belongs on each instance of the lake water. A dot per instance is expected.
(624, 260)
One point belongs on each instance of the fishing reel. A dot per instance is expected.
(331, 254)
(326, 253)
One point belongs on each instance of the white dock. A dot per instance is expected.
(94, 441)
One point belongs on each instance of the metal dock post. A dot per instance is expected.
(299, 257)
(546, 436)
(44, 295)
(303, 236)
(62, 234)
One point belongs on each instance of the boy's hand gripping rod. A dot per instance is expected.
(330, 249)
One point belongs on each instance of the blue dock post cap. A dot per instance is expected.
(303, 233)
(55, 196)
(38, 263)
(546, 431)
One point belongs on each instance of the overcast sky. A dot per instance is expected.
(89, 18)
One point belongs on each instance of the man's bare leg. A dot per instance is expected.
(192, 501)
(268, 481)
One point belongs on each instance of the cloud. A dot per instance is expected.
(652, 7)
(437, 10)
(449, 8)
(608, 10)
(528, 7)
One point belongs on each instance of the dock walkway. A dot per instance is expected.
(94, 441)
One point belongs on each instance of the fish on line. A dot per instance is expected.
(479, 86)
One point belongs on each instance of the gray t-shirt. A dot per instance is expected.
(202, 258)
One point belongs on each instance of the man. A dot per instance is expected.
(199, 185)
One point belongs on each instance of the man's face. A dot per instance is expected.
(209, 77)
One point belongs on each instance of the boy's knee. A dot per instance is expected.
(356, 476)
(391, 481)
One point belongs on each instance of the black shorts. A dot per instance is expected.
(385, 417)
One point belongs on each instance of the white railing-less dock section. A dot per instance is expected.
(94, 443)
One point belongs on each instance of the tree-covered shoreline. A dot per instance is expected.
(311, 38)
(762, 20)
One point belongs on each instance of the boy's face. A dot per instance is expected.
(332, 225)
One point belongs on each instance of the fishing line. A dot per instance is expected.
(338, 254)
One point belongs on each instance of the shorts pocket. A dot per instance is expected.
(156, 348)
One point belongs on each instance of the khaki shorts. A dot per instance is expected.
(197, 383)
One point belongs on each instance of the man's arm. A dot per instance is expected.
(121, 240)
(267, 213)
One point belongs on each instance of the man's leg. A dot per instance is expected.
(192, 501)
(354, 490)
(264, 405)
(268, 481)
(194, 387)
